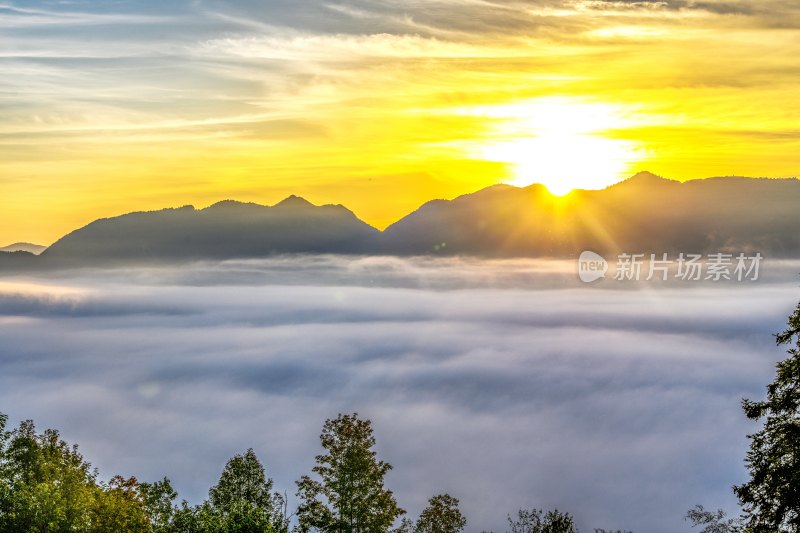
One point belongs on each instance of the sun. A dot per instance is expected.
(563, 143)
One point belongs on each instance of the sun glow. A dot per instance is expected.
(562, 143)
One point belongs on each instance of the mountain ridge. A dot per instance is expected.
(28, 247)
(645, 212)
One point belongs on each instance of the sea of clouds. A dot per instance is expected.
(506, 383)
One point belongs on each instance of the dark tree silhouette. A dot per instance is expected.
(713, 521)
(537, 521)
(771, 498)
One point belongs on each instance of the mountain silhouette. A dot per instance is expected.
(643, 214)
(227, 229)
(34, 249)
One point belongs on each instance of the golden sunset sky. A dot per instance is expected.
(110, 107)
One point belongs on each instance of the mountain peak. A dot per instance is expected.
(294, 201)
(34, 249)
(644, 179)
(231, 204)
(645, 176)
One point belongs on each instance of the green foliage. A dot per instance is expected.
(243, 481)
(349, 497)
(5, 486)
(240, 502)
(406, 526)
(771, 498)
(119, 507)
(441, 516)
(157, 498)
(243, 498)
(46, 485)
(714, 521)
(240, 517)
(187, 519)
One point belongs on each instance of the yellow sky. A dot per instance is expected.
(381, 108)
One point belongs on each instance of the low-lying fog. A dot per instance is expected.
(506, 383)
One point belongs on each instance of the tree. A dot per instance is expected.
(771, 498)
(536, 521)
(120, 507)
(3, 434)
(204, 518)
(47, 485)
(5, 482)
(349, 497)
(158, 498)
(188, 519)
(242, 501)
(441, 516)
(243, 481)
(406, 526)
(714, 521)
(244, 491)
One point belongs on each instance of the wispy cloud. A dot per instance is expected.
(15, 17)
(349, 47)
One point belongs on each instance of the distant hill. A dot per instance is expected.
(644, 213)
(226, 229)
(34, 249)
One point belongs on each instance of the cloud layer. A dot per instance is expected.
(505, 383)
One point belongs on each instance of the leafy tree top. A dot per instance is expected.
(349, 496)
(442, 515)
(243, 480)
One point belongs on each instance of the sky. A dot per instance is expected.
(508, 384)
(115, 106)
